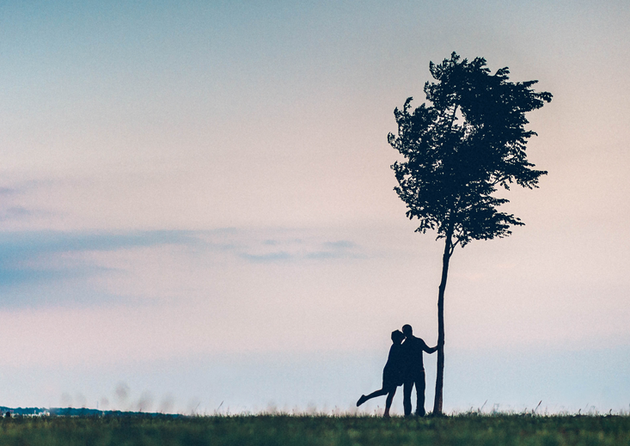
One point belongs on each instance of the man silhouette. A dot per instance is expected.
(414, 370)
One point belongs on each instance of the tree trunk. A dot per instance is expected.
(439, 381)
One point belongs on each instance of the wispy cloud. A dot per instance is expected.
(33, 257)
(12, 207)
(336, 250)
(291, 248)
(15, 212)
(267, 257)
(34, 260)
(7, 190)
(24, 186)
(20, 245)
(19, 251)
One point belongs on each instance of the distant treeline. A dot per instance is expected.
(76, 412)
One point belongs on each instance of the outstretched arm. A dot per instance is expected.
(426, 348)
(430, 349)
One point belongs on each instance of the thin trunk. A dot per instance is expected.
(439, 382)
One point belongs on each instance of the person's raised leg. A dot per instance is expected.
(374, 394)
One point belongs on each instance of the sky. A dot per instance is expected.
(197, 211)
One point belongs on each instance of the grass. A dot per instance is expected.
(268, 430)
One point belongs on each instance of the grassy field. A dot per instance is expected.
(270, 430)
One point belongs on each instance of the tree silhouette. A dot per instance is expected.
(469, 141)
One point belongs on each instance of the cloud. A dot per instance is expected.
(7, 190)
(21, 187)
(15, 212)
(337, 250)
(269, 257)
(18, 249)
(12, 205)
(23, 245)
(291, 248)
(51, 267)
(38, 256)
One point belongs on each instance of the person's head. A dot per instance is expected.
(397, 336)
(407, 330)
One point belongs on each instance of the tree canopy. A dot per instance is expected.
(468, 141)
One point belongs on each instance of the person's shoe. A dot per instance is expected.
(361, 400)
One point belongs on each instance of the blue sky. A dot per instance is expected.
(194, 191)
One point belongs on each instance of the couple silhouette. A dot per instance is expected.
(404, 367)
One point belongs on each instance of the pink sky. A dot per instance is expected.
(186, 181)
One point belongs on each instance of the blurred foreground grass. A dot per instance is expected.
(283, 430)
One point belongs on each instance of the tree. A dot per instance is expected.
(468, 141)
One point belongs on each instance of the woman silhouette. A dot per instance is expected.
(392, 373)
